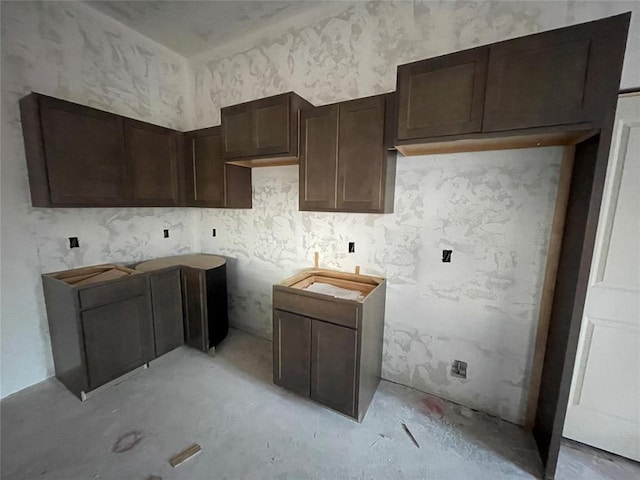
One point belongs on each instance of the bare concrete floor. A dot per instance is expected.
(250, 429)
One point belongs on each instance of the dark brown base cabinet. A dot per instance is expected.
(201, 279)
(166, 300)
(99, 331)
(329, 349)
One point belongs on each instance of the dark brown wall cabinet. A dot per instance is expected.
(551, 78)
(210, 182)
(98, 331)
(345, 160)
(75, 154)
(443, 95)
(325, 348)
(79, 156)
(265, 129)
(549, 88)
(154, 167)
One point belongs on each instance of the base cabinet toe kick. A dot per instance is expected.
(103, 331)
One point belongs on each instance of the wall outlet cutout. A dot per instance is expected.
(352, 247)
(73, 242)
(459, 369)
(214, 232)
(446, 256)
(166, 233)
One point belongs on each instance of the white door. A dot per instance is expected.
(604, 406)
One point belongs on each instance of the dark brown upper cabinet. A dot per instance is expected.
(552, 78)
(319, 158)
(210, 182)
(443, 95)
(262, 132)
(75, 154)
(152, 157)
(345, 162)
(79, 156)
(551, 88)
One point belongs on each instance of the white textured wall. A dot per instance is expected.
(494, 210)
(68, 51)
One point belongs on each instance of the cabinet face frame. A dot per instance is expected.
(440, 75)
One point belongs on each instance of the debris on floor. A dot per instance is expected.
(413, 439)
(185, 455)
(154, 477)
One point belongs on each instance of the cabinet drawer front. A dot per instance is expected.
(329, 310)
(114, 291)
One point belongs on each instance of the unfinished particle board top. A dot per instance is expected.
(203, 261)
(343, 285)
(90, 275)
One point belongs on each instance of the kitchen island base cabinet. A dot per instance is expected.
(325, 348)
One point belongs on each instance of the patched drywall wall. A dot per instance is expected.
(69, 51)
(494, 210)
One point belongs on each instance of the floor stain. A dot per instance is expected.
(127, 442)
(433, 405)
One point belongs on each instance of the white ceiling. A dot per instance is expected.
(190, 27)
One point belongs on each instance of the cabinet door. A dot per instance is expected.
(166, 302)
(333, 366)
(153, 164)
(271, 124)
(554, 78)
(443, 95)
(118, 338)
(238, 138)
(205, 168)
(292, 352)
(318, 158)
(195, 308)
(85, 156)
(361, 155)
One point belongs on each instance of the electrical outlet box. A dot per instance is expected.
(352, 247)
(214, 232)
(459, 369)
(73, 242)
(446, 256)
(166, 233)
